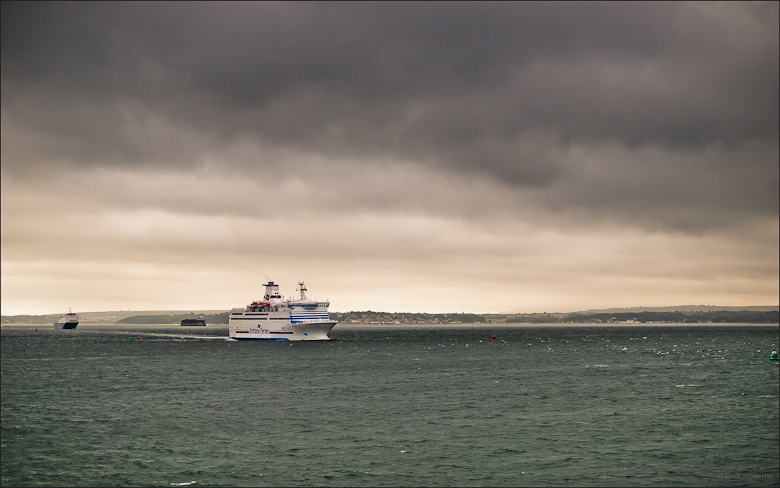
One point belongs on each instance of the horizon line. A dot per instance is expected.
(591, 310)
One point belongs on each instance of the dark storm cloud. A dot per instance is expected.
(496, 90)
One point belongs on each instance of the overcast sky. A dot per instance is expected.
(412, 157)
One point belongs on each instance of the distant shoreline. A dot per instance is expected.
(494, 325)
(369, 317)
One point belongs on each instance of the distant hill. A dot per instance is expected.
(101, 317)
(211, 319)
(683, 308)
(683, 313)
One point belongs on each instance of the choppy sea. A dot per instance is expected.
(634, 405)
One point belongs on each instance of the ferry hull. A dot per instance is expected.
(65, 325)
(311, 331)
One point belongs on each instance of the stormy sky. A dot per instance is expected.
(413, 157)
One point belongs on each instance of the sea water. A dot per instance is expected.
(637, 405)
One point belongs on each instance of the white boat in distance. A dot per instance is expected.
(274, 319)
(68, 321)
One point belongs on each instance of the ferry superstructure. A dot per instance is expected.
(68, 321)
(274, 319)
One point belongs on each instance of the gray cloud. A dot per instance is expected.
(454, 85)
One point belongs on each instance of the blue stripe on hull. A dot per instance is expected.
(260, 338)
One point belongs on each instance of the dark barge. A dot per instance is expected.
(193, 322)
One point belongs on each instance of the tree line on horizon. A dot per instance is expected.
(716, 317)
(723, 316)
(214, 318)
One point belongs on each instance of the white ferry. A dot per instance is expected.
(274, 319)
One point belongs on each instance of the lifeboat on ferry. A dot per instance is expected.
(259, 307)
